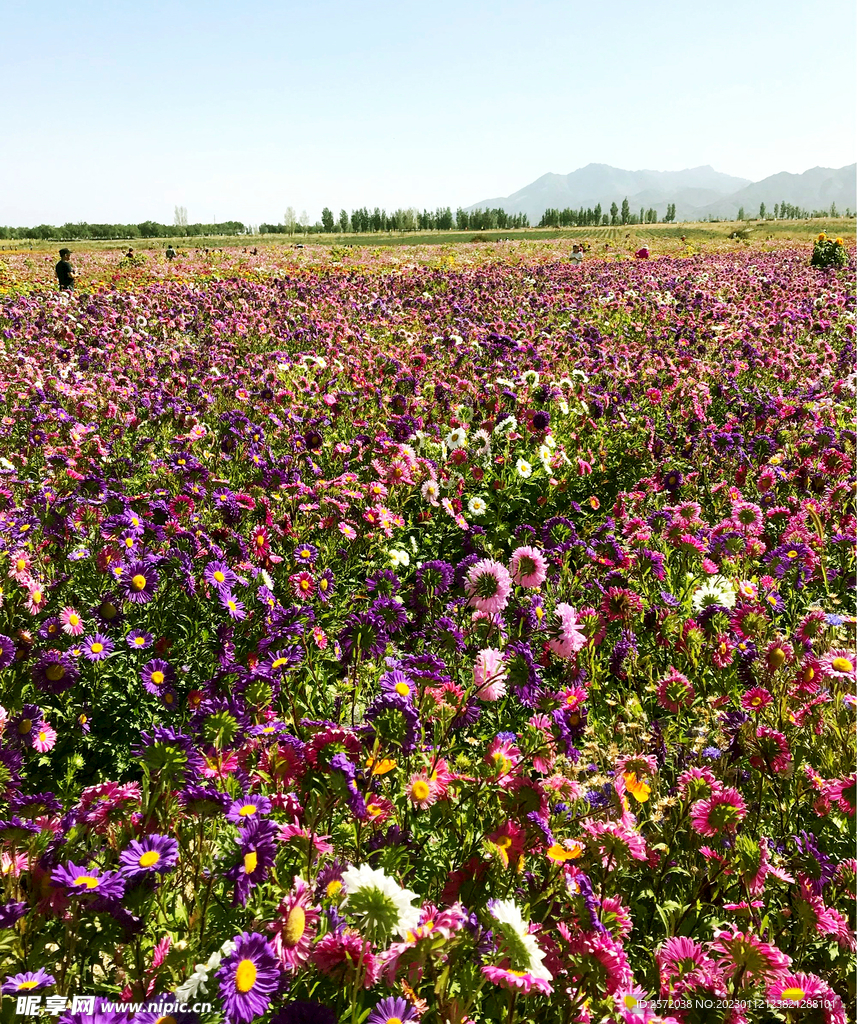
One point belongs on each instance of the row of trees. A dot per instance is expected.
(785, 211)
(589, 217)
(365, 221)
(147, 229)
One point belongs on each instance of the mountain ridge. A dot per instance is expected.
(697, 192)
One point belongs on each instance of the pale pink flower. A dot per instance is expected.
(489, 675)
(528, 566)
(488, 586)
(569, 637)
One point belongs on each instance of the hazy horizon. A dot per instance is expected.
(126, 111)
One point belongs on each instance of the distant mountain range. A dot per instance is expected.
(698, 192)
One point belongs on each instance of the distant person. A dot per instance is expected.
(170, 253)
(64, 271)
(129, 255)
(576, 254)
(642, 253)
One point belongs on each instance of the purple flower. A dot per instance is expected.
(7, 651)
(139, 582)
(248, 978)
(156, 675)
(80, 881)
(248, 807)
(219, 575)
(392, 1010)
(11, 912)
(257, 851)
(152, 855)
(233, 606)
(306, 554)
(27, 982)
(139, 640)
(97, 647)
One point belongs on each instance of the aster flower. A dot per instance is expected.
(756, 700)
(72, 621)
(139, 640)
(518, 944)
(233, 606)
(139, 582)
(489, 675)
(488, 585)
(295, 927)
(218, 574)
(392, 1010)
(29, 981)
(721, 813)
(566, 636)
(248, 978)
(55, 672)
(256, 854)
(675, 691)
(528, 567)
(325, 585)
(97, 647)
(839, 664)
(85, 882)
(157, 674)
(244, 810)
(362, 637)
(378, 904)
(152, 855)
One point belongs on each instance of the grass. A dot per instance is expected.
(660, 237)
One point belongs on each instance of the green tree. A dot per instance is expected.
(740, 213)
(614, 214)
(343, 221)
(327, 220)
(761, 211)
(597, 214)
(626, 210)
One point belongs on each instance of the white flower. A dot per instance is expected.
(477, 507)
(463, 412)
(457, 438)
(398, 557)
(483, 447)
(430, 490)
(266, 579)
(717, 590)
(524, 468)
(380, 905)
(506, 426)
(126, 330)
(506, 382)
(563, 406)
(530, 377)
(413, 541)
(141, 321)
(522, 947)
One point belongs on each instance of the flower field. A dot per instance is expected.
(453, 634)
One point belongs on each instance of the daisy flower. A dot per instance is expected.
(489, 675)
(477, 507)
(379, 905)
(721, 813)
(488, 585)
(839, 664)
(295, 927)
(152, 855)
(97, 647)
(392, 1010)
(524, 469)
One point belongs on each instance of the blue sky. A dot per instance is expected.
(118, 111)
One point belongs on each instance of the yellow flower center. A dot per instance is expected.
(139, 641)
(129, 542)
(21, 565)
(247, 810)
(166, 1020)
(109, 610)
(245, 975)
(73, 620)
(87, 880)
(42, 736)
(24, 726)
(795, 994)
(304, 553)
(778, 656)
(23, 985)
(402, 689)
(55, 672)
(251, 862)
(219, 576)
(842, 665)
(97, 648)
(260, 540)
(333, 888)
(279, 662)
(420, 789)
(149, 859)
(138, 582)
(157, 677)
(36, 597)
(304, 584)
(294, 927)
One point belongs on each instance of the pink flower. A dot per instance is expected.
(675, 691)
(756, 700)
(839, 664)
(72, 622)
(489, 675)
(488, 586)
(722, 812)
(44, 739)
(525, 981)
(528, 567)
(568, 638)
(295, 927)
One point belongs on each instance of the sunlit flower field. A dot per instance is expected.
(449, 634)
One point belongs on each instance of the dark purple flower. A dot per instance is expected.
(81, 881)
(392, 1009)
(156, 675)
(139, 582)
(97, 647)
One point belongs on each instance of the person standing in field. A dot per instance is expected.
(576, 254)
(64, 271)
(171, 253)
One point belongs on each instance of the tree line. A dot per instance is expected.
(365, 221)
(147, 229)
(785, 211)
(594, 217)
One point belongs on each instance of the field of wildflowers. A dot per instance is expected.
(455, 636)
